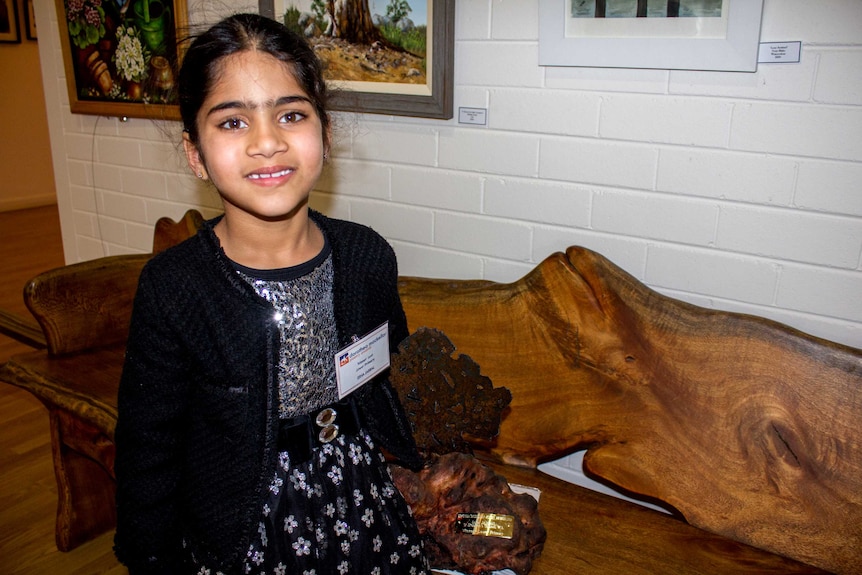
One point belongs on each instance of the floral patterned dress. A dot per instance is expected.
(333, 510)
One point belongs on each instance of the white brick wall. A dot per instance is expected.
(729, 190)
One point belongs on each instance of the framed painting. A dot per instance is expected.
(120, 55)
(391, 57)
(29, 20)
(663, 34)
(10, 31)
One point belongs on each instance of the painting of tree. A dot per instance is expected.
(381, 56)
(363, 42)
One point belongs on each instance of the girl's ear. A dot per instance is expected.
(193, 157)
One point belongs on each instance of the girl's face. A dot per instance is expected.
(260, 139)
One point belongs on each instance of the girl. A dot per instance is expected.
(234, 454)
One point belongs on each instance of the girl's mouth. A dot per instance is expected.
(269, 175)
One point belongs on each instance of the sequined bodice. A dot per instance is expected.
(302, 302)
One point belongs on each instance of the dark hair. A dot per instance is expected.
(239, 33)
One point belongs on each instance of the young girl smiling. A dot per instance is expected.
(234, 452)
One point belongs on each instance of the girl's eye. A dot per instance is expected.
(233, 124)
(292, 117)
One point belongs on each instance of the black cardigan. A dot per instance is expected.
(196, 432)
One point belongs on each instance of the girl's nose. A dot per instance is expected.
(265, 140)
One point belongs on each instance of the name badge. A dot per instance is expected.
(362, 360)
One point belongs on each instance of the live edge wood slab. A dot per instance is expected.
(747, 428)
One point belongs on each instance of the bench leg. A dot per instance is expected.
(83, 466)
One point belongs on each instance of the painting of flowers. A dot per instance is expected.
(120, 55)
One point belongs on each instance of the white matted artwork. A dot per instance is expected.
(721, 35)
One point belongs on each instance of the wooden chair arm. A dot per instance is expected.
(85, 305)
(25, 330)
(89, 304)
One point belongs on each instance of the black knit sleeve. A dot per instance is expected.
(152, 402)
(386, 418)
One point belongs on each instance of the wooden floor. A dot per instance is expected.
(30, 243)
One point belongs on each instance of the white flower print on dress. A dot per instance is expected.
(368, 518)
(394, 558)
(276, 484)
(257, 558)
(302, 546)
(284, 460)
(343, 567)
(290, 523)
(298, 479)
(335, 475)
(355, 453)
(376, 544)
(261, 529)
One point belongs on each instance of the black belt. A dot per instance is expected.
(301, 434)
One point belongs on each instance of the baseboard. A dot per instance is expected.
(8, 205)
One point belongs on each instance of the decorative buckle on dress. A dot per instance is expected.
(326, 421)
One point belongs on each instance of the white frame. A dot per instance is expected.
(734, 51)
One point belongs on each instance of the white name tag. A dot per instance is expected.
(362, 360)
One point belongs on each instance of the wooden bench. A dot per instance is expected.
(745, 427)
(749, 429)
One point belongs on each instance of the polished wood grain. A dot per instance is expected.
(30, 243)
(748, 428)
(590, 533)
